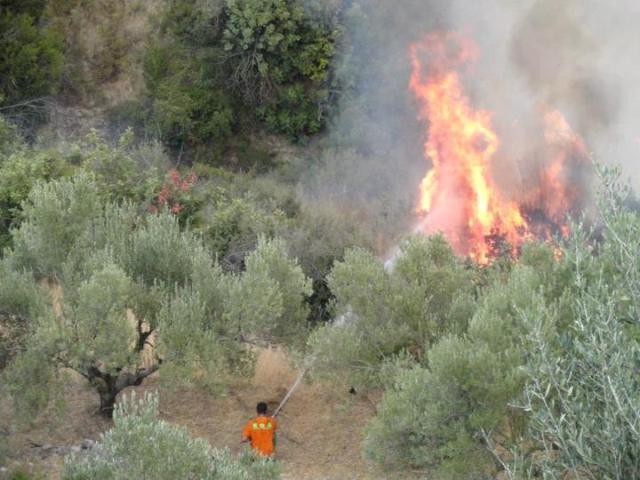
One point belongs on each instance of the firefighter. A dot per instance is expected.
(261, 431)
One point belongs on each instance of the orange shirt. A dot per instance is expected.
(261, 430)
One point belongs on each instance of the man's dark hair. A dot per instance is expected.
(262, 408)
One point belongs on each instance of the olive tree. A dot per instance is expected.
(457, 400)
(583, 390)
(133, 291)
(382, 314)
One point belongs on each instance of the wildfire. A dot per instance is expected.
(458, 196)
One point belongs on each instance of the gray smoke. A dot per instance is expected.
(578, 56)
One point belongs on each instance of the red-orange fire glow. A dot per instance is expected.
(458, 195)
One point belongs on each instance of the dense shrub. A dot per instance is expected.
(427, 294)
(216, 64)
(582, 393)
(467, 383)
(139, 445)
(31, 58)
(232, 226)
(124, 171)
(20, 170)
(195, 22)
(34, 8)
(20, 299)
(187, 105)
(279, 59)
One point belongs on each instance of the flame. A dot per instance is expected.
(458, 195)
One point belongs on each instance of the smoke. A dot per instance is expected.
(372, 159)
(577, 56)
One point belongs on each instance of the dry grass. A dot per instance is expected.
(320, 426)
(105, 41)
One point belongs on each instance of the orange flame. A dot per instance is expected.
(458, 195)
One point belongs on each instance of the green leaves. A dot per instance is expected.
(268, 298)
(427, 294)
(187, 103)
(582, 389)
(31, 59)
(56, 216)
(279, 59)
(97, 328)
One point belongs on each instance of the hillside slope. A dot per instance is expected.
(320, 427)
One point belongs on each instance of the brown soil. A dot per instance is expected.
(320, 427)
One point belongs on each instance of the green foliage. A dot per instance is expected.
(268, 299)
(19, 295)
(187, 105)
(20, 169)
(31, 60)
(20, 300)
(30, 377)
(318, 236)
(32, 7)
(4, 446)
(141, 446)
(193, 21)
(467, 380)
(9, 138)
(427, 294)
(125, 171)
(582, 393)
(421, 421)
(56, 215)
(233, 226)
(293, 112)
(190, 358)
(279, 59)
(217, 63)
(275, 42)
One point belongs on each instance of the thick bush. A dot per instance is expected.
(35, 8)
(280, 59)
(20, 169)
(30, 60)
(426, 295)
(216, 65)
(458, 400)
(583, 388)
(127, 170)
(187, 104)
(20, 299)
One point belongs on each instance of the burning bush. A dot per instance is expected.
(459, 195)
